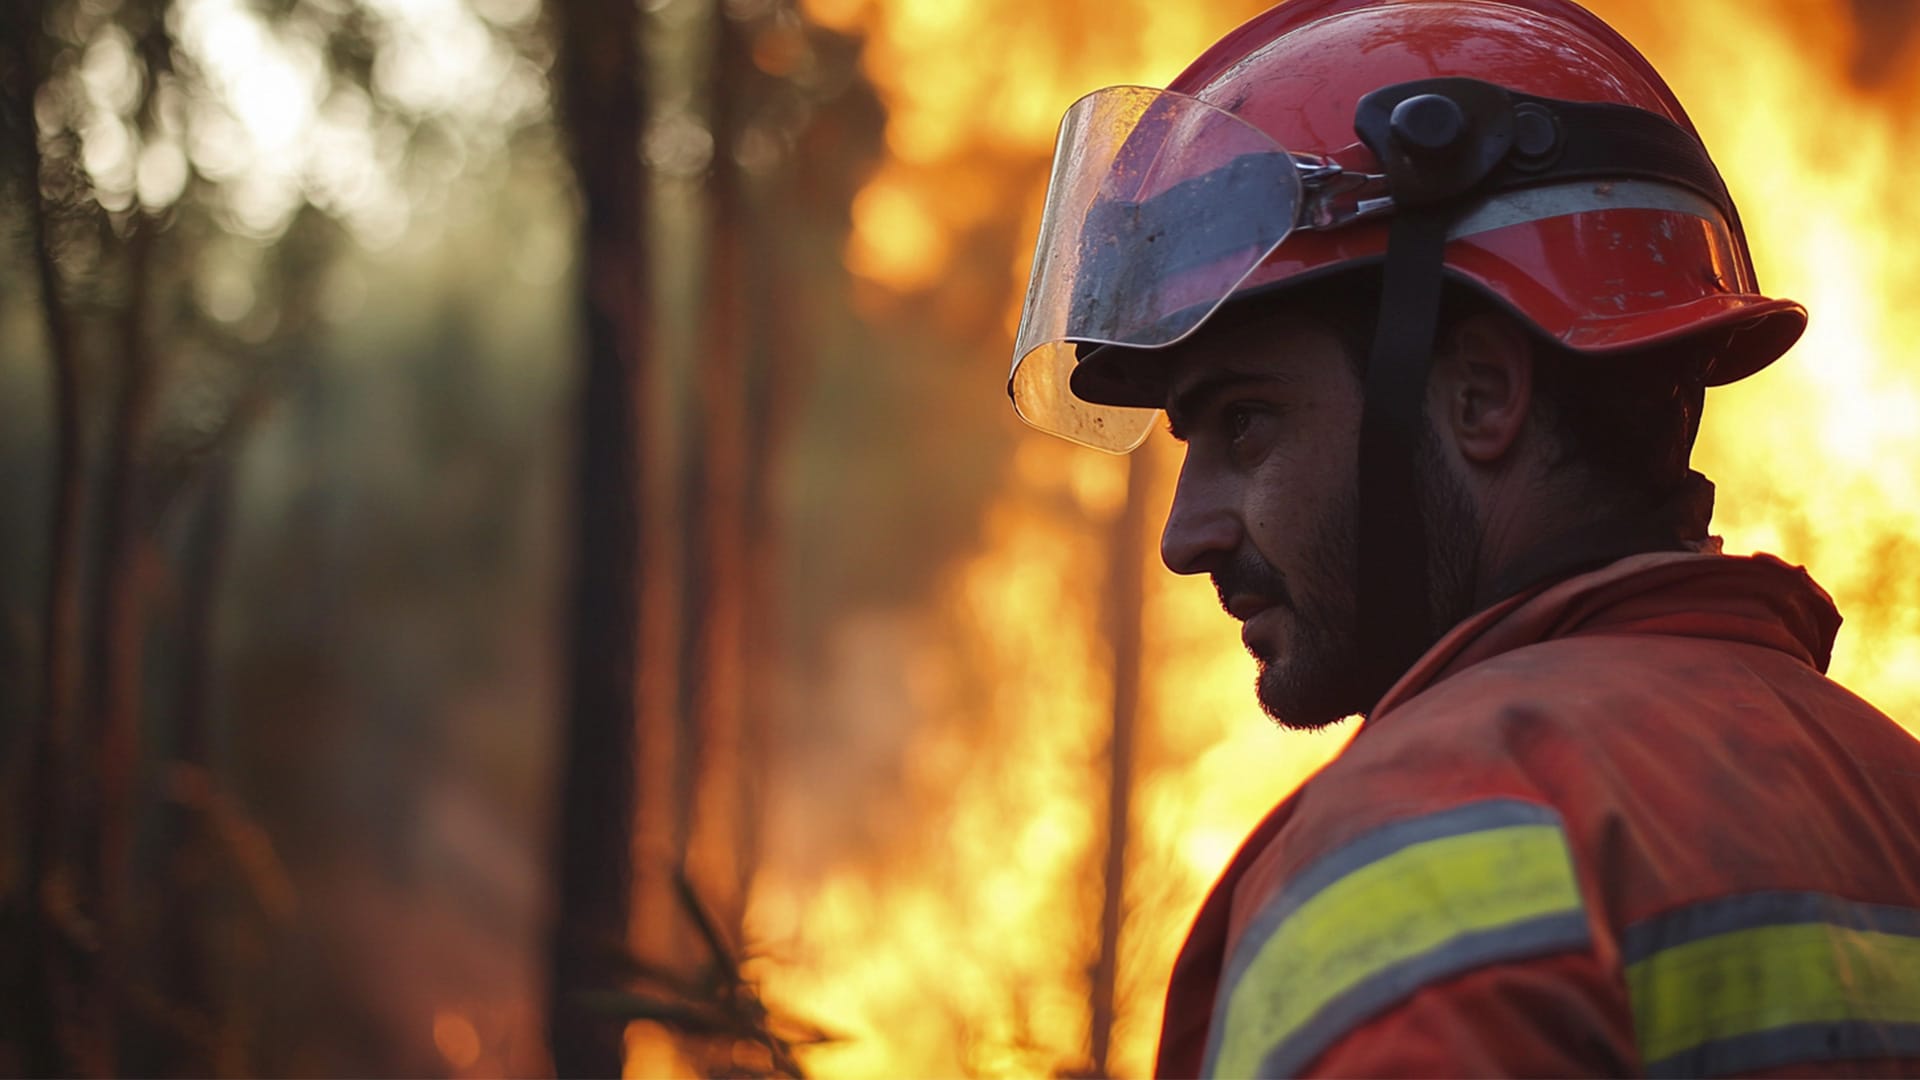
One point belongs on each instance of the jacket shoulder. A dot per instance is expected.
(1347, 917)
(1485, 860)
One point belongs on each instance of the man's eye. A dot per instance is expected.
(1238, 421)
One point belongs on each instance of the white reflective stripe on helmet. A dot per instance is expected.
(1580, 196)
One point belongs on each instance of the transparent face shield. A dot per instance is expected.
(1159, 206)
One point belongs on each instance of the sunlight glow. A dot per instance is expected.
(281, 130)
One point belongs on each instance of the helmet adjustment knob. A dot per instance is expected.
(1437, 139)
(1536, 135)
(1428, 123)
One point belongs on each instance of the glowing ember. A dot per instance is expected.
(965, 946)
(456, 1038)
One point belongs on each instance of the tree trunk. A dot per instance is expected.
(598, 69)
(777, 371)
(119, 622)
(49, 980)
(116, 652)
(186, 952)
(713, 550)
(1126, 555)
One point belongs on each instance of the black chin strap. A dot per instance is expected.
(1395, 606)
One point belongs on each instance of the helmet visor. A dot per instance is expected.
(1159, 206)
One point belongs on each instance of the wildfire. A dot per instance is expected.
(965, 947)
(1815, 458)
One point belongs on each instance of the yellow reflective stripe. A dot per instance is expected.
(1394, 911)
(1749, 981)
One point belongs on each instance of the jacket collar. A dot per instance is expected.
(1754, 599)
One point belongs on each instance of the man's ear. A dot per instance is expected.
(1482, 386)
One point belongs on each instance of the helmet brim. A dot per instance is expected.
(1739, 333)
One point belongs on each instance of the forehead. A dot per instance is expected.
(1285, 345)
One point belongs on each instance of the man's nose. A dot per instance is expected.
(1202, 529)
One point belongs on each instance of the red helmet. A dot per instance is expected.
(1161, 208)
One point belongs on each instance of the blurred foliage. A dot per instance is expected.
(166, 250)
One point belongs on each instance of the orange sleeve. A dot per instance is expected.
(1552, 1016)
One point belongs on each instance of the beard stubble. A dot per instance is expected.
(1321, 679)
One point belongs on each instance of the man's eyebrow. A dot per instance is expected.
(1191, 400)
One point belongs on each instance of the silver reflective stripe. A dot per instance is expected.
(1362, 928)
(1769, 979)
(1852, 1041)
(1558, 200)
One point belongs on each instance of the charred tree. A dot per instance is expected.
(1126, 555)
(115, 650)
(713, 543)
(824, 133)
(47, 951)
(771, 384)
(598, 71)
(196, 1048)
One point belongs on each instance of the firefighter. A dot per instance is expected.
(1431, 292)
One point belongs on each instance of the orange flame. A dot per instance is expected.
(967, 950)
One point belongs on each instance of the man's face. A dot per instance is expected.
(1269, 408)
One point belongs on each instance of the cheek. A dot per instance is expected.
(1296, 494)
(1282, 510)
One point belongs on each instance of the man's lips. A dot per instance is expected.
(1256, 626)
(1244, 606)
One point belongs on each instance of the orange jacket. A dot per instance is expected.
(1619, 825)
